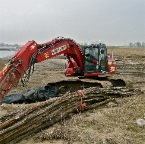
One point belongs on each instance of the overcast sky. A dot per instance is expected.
(112, 21)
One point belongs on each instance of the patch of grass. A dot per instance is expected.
(127, 52)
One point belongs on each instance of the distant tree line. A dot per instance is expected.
(137, 44)
(9, 45)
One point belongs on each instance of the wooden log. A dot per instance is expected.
(33, 119)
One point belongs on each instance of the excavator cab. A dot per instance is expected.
(95, 60)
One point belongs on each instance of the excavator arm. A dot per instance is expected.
(21, 65)
(66, 47)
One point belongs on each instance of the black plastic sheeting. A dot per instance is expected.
(31, 96)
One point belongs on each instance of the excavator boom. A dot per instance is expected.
(22, 63)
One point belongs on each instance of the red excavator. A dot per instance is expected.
(87, 61)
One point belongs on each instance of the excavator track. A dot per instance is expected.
(60, 88)
(106, 81)
(64, 86)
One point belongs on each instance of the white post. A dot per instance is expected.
(112, 55)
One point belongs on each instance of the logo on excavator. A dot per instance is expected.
(32, 47)
(112, 69)
(59, 49)
(46, 55)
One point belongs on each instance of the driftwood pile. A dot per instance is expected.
(31, 120)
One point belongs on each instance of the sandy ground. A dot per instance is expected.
(112, 124)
